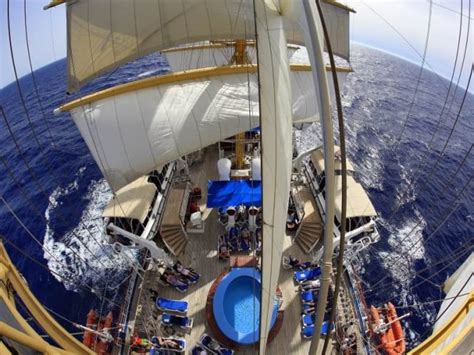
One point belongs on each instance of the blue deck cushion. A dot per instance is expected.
(307, 320)
(308, 332)
(305, 275)
(308, 297)
(166, 304)
(234, 193)
(170, 319)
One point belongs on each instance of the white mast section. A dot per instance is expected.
(304, 13)
(276, 126)
(315, 50)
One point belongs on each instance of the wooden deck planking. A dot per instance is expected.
(173, 207)
(201, 254)
(311, 212)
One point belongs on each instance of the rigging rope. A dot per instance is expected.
(450, 304)
(456, 255)
(439, 157)
(425, 159)
(428, 31)
(33, 77)
(444, 220)
(31, 126)
(34, 176)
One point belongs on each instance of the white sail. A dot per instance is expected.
(276, 125)
(133, 128)
(102, 37)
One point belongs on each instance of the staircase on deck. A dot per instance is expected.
(311, 227)
(171, 230)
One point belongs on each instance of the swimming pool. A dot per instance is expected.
(236, 305)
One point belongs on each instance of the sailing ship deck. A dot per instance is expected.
(201, 254)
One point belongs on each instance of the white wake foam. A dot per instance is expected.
(82, 255)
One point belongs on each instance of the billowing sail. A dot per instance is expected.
(102, 37)
(133, 128)
(276, 125)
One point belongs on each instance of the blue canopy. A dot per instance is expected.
(234, 193)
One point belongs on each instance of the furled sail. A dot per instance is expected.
(276, 125)
(102, 37)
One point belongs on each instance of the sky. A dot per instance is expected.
(370, 26)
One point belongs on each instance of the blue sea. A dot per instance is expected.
(59, 196)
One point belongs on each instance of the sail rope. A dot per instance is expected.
(424, 161)
(454, 205)
(418, 80)
(82, 285)
(437, 161)
(453, 299)
(29, 202)
(33, 76)
(451, 259)
(394, 28)
(34, 133)
(446, 188)
(36, 139)
(440, 300)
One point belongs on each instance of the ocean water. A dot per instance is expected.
(60, 198)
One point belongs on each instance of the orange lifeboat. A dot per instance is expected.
(397, 329)
(101, 347)
(386, 329)
(88, 338)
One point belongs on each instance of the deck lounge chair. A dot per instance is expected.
(171, 306)
(182, 323)
(305, 275)
(188, 273)
(214, 346)
(308, 332)
(156, 349)
(307, 320)
(200, 350)
(308, 297)
(178, 285)
(309, 308)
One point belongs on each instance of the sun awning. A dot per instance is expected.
(234, 193)
(358, 202)
(317, 157)
(132, 201)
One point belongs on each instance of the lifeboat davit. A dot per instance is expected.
(386, 329)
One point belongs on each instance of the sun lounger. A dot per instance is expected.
(305, 275)
(169, 305)
(214, 346)
(308, 332)
(307, 320)
(156, 349)
(309, 308)
(188, 273)
(180, 322)
(181, 287)
(308, 297)
(201, 350)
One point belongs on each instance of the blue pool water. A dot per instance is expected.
(242, 304)
(236, 305)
